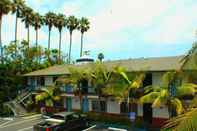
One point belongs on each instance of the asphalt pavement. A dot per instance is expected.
(19, 124)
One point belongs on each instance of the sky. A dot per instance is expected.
(120, 29)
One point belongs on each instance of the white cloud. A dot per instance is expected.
(174, 28)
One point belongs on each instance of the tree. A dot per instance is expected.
(72, 24)
(48, 95)
(100, 57)
(127, 86)
(17, 7)
(84, 26)
(38, 21)
(60, 23)
(27, 18)
(169, 93)
(50, 20)
(5, 8)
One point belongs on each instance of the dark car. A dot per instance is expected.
(64, 121)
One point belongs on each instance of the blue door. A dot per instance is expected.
(69, 104)
(85, 104)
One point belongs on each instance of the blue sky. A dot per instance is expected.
(120, 29)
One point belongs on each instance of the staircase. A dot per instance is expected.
(18, 106)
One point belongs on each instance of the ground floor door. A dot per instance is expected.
(85, 104)
(69, 104)
(147, 113)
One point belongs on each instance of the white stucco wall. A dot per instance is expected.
(113, 107)
(75, 103)
(48, 80)
(157, 78)
(160, 112)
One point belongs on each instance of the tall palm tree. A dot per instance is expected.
(72, 24)
(49, 20)
(5, 8)
(38, 21)
(27, 18)
(60, 23)
(17, 7)
(84, 26)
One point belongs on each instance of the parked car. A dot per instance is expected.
(64, 121)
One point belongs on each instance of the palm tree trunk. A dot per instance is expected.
(81, 45)
(49, 39)
(37, 50)
(36, 38)
(1, 47)
(60, 43)
(16, 26)
(28, 32)
(16, 30)
(69, 55)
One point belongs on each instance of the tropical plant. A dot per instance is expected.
(72, 24)
(60, 23)
(100, 57)
(169, 93)
(5, 8)
(128, 85)
(84, 26)
(48, 95)
(49, 21)
(27, 18)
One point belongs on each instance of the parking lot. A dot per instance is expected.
(19, 124)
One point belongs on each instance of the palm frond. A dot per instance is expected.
(184, 122)
(178, 105)
(149, 98)
(186, 89)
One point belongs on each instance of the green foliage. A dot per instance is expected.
(48, 95)
(159, 96)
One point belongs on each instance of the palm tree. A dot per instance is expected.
(72, 24)
(48, 95)
(100, 56)
(183, 122)
(83, 27)
(168, 93)
(50, 20)
(27, 18)
(17, 7)
(38, 21)
(126, 90)
(5, 8)
(60, 23)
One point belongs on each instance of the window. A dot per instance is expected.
(41, 81)
(54, 79)
(147, 80)
(99, 106)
